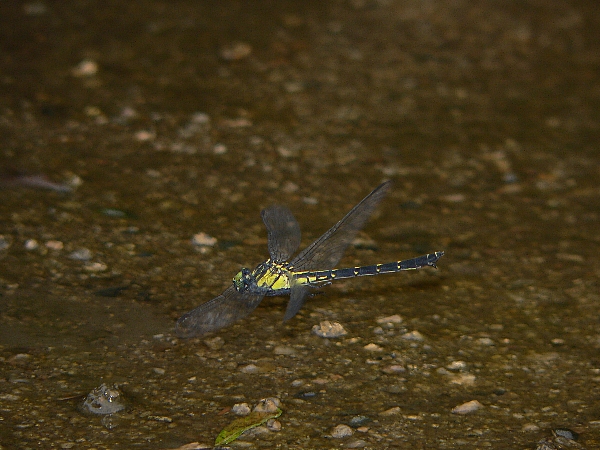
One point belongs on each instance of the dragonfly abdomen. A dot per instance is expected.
(320, 276)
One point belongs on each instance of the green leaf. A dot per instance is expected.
(235, 429)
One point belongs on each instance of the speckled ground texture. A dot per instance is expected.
(158, 121)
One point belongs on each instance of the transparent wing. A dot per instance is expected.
(217, 313)
(327, 251)
(298, 295)
(283, 232)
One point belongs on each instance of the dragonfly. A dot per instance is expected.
(312, 268)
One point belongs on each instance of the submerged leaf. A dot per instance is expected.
(235, 429)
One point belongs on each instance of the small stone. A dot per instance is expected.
(241, 409)
(82, 254)
(391, 411)
(465, 379)
(219, 149)
(530, 427)
(104, 399)
(373, 347)
(203, 240)
(144, 135)
(31, 244)
(341, 431)
(284, 350)
(54, 245)
(390, 319)
(457, 365)
(273, 425)
(358, 421)
(394, 368)
(330, 330)
(163, 419)
(356, 443)
(413, 336)
(236, 51)
(215, 343)
(159, 370)
(4, 243)
(467, 408)
(485, 341)
(250, 368)
(267, 405)
(95, 267)
(86, 68)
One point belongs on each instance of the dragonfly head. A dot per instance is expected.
(242, 280)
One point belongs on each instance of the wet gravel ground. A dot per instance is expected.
(140, 141)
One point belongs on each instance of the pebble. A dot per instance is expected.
(390, 412)
(465, 379)
(215, 343)
(457, 365)
(54, 245)
(104, 399)
(241, 409)
(82, 254)
(467, 408)
(250, 368)
(358, 421)
(95, 267)
(273, 425)
(413, 336)
(284, 350)
(390, 319)
(236, 51)
(485, 341)
(31, 244)
(204, 240)
(394, 368)
(267, 405)
(356, 443)
(327, 329)
(341, 431)
(4, 243)
(86, 68)
(373, 347)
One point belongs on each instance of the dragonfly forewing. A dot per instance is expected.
(327, 251)
(283, 232)
(217, 313)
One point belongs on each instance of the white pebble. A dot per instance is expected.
(54, 245)
(341, 431)
(31, 244)
(250, 368)
(390, 319)
(203, 239)
(86, 68)
(82, 254)
(467, 408)
(241, 409)
(373, 347)
(327, 329)
(485, 341)
(413, 336)
(457, 365)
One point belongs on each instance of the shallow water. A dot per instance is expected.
(484, 115)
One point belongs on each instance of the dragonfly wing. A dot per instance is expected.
(283, 232)
(298, 296)
(327, 251)
(217, 313)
